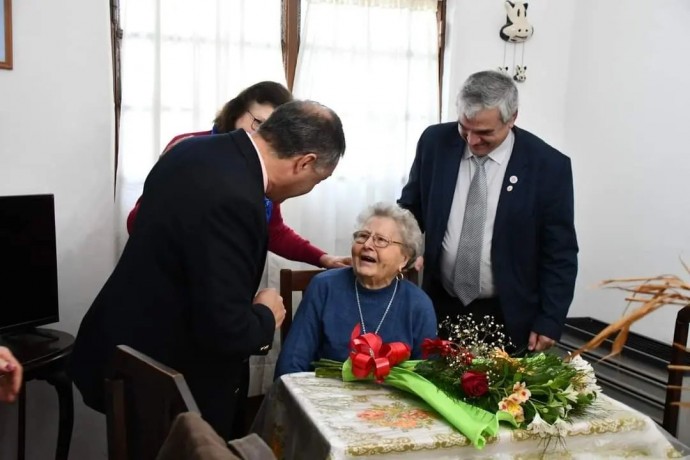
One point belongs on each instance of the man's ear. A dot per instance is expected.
(511, 122)
(305, 161)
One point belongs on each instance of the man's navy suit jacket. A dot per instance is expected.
(534, 247)
(183, 288)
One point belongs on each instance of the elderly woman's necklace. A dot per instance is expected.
(359, 307)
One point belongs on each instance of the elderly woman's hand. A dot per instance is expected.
(328, 261)
(10, 376)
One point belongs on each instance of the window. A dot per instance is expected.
(376, 64)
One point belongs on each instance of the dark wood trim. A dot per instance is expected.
(116, 46)
(441, 24)
(676, 371)
(290, 38)
(7, 63)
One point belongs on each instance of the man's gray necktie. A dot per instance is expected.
(467, 261)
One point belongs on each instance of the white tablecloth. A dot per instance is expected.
(305, 417)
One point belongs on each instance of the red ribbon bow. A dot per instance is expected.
(369, 353)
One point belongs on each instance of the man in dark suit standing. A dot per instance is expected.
(496, 205)
(185, 288)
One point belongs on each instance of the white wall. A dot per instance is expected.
(627, 111)
(56, 137)
(607, 84)
(474, 45)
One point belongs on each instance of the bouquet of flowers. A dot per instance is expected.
(472, 382)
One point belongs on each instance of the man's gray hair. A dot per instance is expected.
(486, 90)
(411, 235)
(301, 127)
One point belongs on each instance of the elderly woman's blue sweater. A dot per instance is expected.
(328, 313)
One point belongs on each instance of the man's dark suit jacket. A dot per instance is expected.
(183, 288)
(534, 247)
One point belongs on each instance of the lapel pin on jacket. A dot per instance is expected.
(513, 179)
(509, 188)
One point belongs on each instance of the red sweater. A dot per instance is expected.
(282, 240)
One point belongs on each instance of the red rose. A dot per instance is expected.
(475, 383)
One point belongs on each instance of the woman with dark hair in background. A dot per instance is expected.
(248, 110)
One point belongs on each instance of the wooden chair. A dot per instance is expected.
(677, 369)
(143, 397)
(298, 280)
(292, 281)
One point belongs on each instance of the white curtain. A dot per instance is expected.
(181, 61)
(376, 64)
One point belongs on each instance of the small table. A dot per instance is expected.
(319, 418)
(44, 354)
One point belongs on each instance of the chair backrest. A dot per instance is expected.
(292, 281)
(677, 369)
(143, 397)
(298, 280)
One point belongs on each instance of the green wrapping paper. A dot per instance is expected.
(473, 422)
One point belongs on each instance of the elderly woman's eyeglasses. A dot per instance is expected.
(256, 122)
(362, 236)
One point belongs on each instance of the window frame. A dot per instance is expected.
(290, 42)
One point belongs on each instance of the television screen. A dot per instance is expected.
(28, 262)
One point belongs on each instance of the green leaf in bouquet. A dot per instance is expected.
(473, 422)
(327, 368)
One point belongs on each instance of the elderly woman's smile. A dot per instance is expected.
(377, 252)
(367, 258)
(371, 295)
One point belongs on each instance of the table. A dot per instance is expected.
(44, 354)
(319, 418)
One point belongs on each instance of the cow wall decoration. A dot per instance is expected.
(517, 28)
(514, 33)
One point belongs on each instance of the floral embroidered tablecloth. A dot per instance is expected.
(305, 417)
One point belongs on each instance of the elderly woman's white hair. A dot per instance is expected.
(410, 234)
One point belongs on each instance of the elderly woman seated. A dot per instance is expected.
(371, 293)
